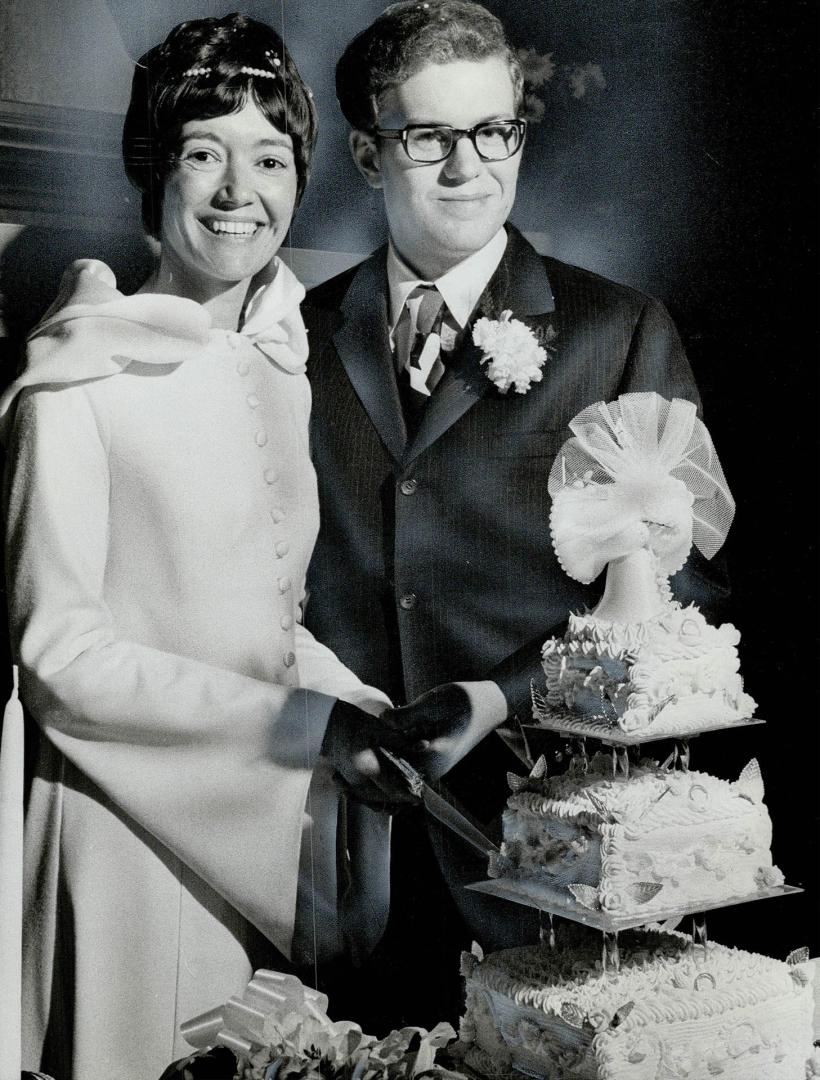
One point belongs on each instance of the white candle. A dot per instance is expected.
(11, 886)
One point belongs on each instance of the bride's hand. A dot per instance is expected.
(350, 744)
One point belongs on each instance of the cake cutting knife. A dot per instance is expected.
(441, 806)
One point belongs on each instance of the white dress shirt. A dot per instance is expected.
(461, 287)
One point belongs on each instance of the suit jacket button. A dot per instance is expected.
(408, 487)
(408, 601)
(289, 659)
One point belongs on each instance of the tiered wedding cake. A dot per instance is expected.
(618, 841)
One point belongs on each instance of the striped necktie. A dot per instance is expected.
(421, 359)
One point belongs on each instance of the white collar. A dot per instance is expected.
(461, 287)
(273, 321)
(93, 331)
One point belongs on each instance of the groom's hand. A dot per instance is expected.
(351, 740)
(443, 725)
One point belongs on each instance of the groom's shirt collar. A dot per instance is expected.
(461, 287)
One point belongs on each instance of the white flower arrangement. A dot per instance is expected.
(511, 352)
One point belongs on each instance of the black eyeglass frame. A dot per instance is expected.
(455, 134)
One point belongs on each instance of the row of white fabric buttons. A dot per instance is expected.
(277, 514)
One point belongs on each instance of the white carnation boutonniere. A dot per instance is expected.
(512, 352)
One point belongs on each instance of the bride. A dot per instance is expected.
(197, 743)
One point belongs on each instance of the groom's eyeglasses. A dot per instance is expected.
(494, 140)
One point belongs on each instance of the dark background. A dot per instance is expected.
(690, 174)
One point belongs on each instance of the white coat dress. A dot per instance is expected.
(161, 512)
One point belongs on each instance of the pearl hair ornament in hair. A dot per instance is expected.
(193, 72)
(258, 71)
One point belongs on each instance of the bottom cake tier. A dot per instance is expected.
(672, 1009)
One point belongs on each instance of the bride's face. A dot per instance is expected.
(229, 197)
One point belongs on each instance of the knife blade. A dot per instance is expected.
(441, 806)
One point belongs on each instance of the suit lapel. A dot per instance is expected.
(363, 345)
(461, 386)
(520, 285)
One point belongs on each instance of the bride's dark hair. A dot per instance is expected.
(207, 68)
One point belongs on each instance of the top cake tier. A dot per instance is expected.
(635, 488)
(671, 676)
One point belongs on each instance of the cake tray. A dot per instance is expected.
(574, 727)
(534, 897)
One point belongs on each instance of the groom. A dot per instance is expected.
(434, 577)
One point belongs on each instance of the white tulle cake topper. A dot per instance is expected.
(635, 487)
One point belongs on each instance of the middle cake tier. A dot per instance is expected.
(648, 843)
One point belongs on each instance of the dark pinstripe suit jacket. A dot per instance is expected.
(466, 544)
(453, 576)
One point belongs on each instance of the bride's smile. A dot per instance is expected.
(229, 198)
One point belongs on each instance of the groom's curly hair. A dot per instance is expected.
(407, 37)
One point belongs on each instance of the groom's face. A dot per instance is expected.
(441, 213)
